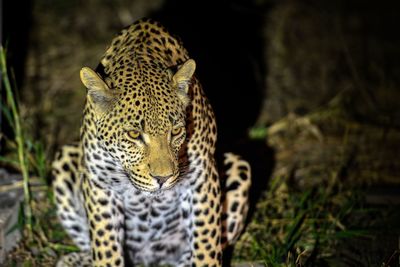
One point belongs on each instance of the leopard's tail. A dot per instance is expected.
(235, 197)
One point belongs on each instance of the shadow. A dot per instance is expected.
(225, 39)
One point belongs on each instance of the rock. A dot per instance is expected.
(10, 199)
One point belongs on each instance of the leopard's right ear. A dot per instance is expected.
(181, 80)
(99, 93)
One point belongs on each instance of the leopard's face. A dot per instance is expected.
(149, 157)
(143, 129)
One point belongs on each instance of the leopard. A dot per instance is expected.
(141, 187)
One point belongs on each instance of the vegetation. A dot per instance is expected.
(297, 228)
(14, 120)
(38, 218)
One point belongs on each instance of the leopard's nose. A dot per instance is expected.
(161, 179)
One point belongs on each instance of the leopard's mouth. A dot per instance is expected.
(151, 184)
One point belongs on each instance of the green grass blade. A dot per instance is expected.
(294, 231)
(19, 138)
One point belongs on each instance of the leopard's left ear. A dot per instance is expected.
(182, 78)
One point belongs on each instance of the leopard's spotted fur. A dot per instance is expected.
(142, 187)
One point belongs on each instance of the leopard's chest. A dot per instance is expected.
(157, 228)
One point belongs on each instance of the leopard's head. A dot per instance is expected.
(140, 120)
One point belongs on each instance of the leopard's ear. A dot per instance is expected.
(182, 78)
(98, 92)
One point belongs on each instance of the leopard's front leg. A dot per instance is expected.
(105, 216)
(206, 244)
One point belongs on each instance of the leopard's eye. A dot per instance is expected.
(133, 134)
(177, 131)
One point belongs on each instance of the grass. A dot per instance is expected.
(293, 228)
(12, 114)
(42, 233)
